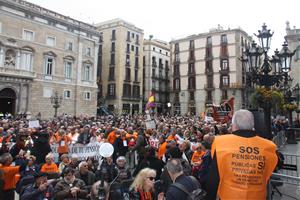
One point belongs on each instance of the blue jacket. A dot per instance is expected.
(32, 193)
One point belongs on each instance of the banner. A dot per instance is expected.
(82, 151)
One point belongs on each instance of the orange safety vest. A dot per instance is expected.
(162, 150)
(9, 176)
(245, 166)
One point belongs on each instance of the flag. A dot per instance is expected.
(151, 102)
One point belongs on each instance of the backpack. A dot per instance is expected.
(197, 194)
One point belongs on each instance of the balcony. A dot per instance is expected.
(209, 72)
(209, 87)
(224, 71)
(111, 97)
(17, 73)
(236, 85)
(224, 86)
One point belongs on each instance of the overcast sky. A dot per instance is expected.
(170, 19)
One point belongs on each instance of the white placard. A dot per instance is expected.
(34, 124)
(150, 124)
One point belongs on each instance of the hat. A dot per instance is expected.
(39, 174)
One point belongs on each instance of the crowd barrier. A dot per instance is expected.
(283, 187)
(285, 183)
(291, 165)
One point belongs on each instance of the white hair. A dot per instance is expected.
(243, 120)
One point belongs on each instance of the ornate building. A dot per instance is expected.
(156, 64)
(206, 69)
(293, 39)
(121, 68)
(43, 52)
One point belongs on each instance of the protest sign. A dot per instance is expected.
(82, 151)
(150, 124)
(34, 124)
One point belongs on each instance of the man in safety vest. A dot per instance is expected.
(242, 162)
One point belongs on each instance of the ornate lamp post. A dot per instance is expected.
(264, 71)
(56, 101)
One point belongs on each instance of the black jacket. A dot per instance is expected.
(175, 193)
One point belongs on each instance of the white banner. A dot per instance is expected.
(82, 151)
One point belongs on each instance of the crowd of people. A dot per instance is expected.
(171, 161)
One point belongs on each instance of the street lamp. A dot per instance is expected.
(266, 71)
(56, 101)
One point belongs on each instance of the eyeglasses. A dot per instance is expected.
(151, 178)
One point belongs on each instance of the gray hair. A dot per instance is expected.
(5, 158)
(243, 120)
(174, 166)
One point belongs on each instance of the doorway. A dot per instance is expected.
(7, 101)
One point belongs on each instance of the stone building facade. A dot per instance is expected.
(206, 69)
(156, 64)
(122, 66)
(43, 52)
(293, 40)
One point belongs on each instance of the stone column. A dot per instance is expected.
(18, 59)
(1, 57)
(19, 99)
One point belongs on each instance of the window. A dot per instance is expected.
(132, 35)
(88, 51)
(132, 48)
(28, 35)
(50, 41)
(177, 57)
(191, 83)
(127, 74)
(126, 90)
(136, 62)
(176, 47)
(191, 44)
(208, 41)
(111, 89)
(153, 61)
(298, 53)
(166, 53)
(224, 64)
(87, 95)
(127, 60)
(26, 59)
(112, 59)
(68, 69)
(49, 64)
(136, 51)
(153, 48)
(191, 68)
(113, 47)
(69, 46)
(111, 75)
(113, 34)
(223, 39)
(136, 75)
(225, 80)
(87, 72)
(67, 94)
(136, 91)
(137, 39)
(128, 48)
(176, 84)
(128, 36)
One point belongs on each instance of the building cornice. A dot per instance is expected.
(211, 33)
(55, 18)
(117, 23)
